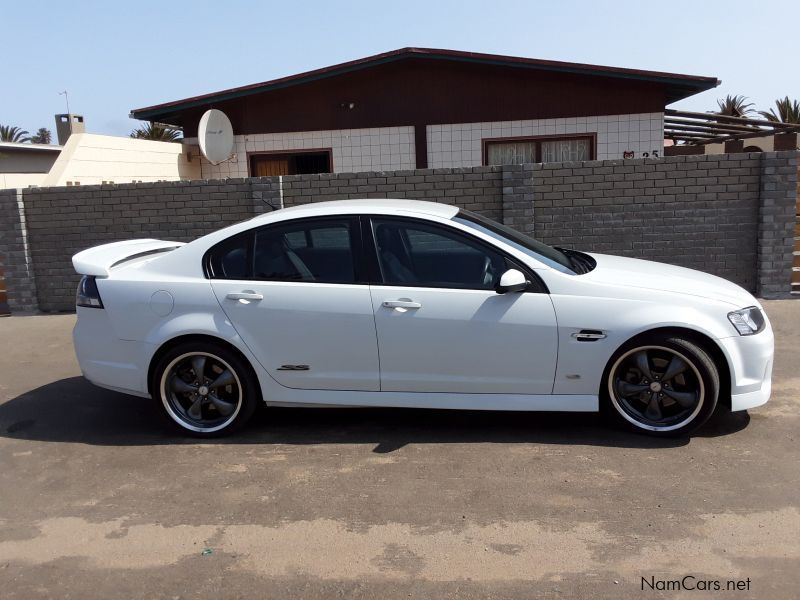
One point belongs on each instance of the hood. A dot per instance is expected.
(650, 275)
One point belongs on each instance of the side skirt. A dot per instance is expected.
(521, 402)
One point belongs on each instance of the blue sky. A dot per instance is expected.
(115, 56)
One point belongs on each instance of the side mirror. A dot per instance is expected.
(512, 281)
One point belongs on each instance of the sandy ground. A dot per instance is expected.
(99, 499)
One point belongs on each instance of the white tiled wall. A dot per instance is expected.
(378, 149)
(459, 145)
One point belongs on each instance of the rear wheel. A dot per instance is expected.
(205, 389)
(662, 385)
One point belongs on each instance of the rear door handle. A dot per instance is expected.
(244, 296)
(401, 304)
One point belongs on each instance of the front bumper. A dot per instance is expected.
(750, 359)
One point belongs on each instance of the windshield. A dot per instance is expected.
(534, 248)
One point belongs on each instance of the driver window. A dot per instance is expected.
(418, 254)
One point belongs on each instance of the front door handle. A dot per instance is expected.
(401, 304)
(244, 296)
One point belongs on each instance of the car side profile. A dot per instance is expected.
(402, 303)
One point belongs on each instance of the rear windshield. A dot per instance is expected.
(534, 248)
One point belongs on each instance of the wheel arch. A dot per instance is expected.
(171, 343)
(699, 338)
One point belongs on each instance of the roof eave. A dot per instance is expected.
(678, 86)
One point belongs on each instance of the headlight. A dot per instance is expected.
(747, 320)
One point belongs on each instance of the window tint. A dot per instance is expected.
(330, 237)
(417, 254)
(319, 251)
(533, 247)
(228, 260)
(296, 239)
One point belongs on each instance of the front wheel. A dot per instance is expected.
(205, 389)
(662, 385)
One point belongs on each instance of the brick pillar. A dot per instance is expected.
(734, 146)
(776, 219)
(785, 141)
(518, 197)
(15, 254)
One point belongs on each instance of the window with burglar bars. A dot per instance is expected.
(517, 151)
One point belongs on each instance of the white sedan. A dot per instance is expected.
(412, 304)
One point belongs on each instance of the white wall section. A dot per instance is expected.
(460, 145)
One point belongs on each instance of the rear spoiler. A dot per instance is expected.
(99, 260)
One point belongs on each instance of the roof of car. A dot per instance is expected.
(376, 205)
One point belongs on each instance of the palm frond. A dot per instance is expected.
(785, 111)
(734, 106)
(42, 136)
(155, 132)
(13, 134)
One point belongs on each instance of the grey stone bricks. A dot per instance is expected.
(731, 215)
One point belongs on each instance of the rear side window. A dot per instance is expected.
(311, 250)
(229, 260)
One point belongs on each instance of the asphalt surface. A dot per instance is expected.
(99, 499)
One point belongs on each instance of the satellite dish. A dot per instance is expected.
(215, 135)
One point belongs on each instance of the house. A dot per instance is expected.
(90, 159)
(24, 165)
(418, 108)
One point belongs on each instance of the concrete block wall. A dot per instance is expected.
(700, 212)
(776, 223)
(15, 259)
(730, 215)
(65, 220)
(478, 188)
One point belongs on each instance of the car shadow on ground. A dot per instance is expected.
(73, 410)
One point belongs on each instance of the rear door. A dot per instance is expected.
(296, 294)
(441, 325)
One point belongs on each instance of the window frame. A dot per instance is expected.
(373, 266)
(360, 271)
(287, 153)
(538, 140)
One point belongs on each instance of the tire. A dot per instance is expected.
(670, 393)
(218, 402)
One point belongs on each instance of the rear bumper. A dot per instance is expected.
(106, 360)
(750, 359)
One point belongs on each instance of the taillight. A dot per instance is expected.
(87, 294)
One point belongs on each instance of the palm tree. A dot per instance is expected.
(42, 136)
(734, 106)
(153, 131)
(788, 111)
(13, 134)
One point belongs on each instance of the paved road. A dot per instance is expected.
(98, 501)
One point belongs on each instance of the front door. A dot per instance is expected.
(295, 295)
(442, 327)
